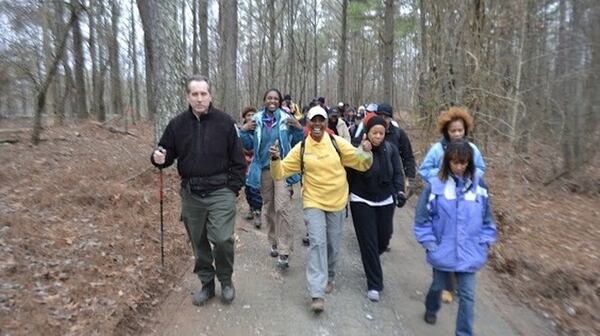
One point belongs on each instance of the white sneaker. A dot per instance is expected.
(373, 295)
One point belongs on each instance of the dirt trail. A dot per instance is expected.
(271, 303)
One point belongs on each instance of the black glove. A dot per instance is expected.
(400, 199)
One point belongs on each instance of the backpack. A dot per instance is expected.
(303, 145)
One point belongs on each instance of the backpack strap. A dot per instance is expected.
(302, 147)
(335, 145)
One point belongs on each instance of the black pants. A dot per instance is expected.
(373, 227)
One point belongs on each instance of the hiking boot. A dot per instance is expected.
(317, 305)
(283, 262)
(330, 287)
(373, 295)
(205, 294)
(430, 318)
(274, 251)
(227, 293)
(447, 296)
(257, 220)
(305, 240)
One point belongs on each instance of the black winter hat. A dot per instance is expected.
(287, 97)
(385, 109)
(375, 120)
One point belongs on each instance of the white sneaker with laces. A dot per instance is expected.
(373, 295)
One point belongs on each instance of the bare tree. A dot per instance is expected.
(113, 59)
(164, 61)
(80, 98)
(76, 8)
(342, 52)
(194, 36)
(228, 34)
(203, 30)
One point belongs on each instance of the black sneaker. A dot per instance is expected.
(205, 294)
(430, 318)
(283, 262)
(274, 252)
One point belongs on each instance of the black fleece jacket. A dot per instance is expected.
(208, 150)
(398, 137)
(384, 178)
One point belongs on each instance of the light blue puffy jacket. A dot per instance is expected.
(433, 160)
(453, 222)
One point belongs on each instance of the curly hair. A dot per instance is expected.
(247, 110)
(452, 114)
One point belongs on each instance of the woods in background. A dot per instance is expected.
(527, 69)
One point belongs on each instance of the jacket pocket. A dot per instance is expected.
(444, 257)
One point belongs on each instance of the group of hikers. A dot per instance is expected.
(340, 157)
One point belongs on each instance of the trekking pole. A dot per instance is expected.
(162, 249)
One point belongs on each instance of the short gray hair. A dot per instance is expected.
(195, 78)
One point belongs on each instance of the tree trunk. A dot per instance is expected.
(134, 59)
(93, 46)
(272, 55)
(43, 88)
(194, 37)
(115, 68)
(423, 90)
(164, 59)
(228, 34)
(342, 52)
(291, 49)
(203, 20)
(184, 32)
(48, 56)
(80, 98)
(387, 38)
(315, 54)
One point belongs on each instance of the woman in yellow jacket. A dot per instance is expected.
(321, 159)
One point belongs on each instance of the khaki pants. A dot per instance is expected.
(279, 212)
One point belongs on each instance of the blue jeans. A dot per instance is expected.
(466, 301)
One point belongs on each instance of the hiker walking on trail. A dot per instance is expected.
(271, 124)
(398, 137)
(453, 222)
(253, 196)
(373, 195)
(454, 124)
(321, 159)
(205, 143)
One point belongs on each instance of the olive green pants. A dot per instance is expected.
(210, 221)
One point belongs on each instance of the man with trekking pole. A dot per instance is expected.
(210, 162)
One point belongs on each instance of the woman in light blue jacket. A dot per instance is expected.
(453, 124)
(453, 222)
(273, 125)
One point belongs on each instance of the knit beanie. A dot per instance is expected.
(375, 120)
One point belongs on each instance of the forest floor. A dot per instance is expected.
(79, 235)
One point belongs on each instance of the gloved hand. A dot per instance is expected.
(400, 199)
(412, 187)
